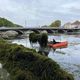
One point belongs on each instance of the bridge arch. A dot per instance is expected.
(70, 31)
(61, 31)
(19, 32)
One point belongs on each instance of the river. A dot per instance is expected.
(68, 58)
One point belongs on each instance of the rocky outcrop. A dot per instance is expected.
(8, 34)
(26, 64)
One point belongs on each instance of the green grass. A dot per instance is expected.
(26, 64)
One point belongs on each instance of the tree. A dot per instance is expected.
(56, 23)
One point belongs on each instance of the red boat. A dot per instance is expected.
(59, 45)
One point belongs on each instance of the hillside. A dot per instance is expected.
(6, 23)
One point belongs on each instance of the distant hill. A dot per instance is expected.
(6, 23)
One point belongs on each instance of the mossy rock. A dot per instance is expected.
(41, 38)
(33, 37)
(26, 64)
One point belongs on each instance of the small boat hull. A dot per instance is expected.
(59, 45)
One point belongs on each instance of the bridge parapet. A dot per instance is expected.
(49, 29)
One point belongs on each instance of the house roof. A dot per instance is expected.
(76, 23)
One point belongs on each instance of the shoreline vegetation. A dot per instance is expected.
(26, 64)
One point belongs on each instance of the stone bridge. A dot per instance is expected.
(49, 30)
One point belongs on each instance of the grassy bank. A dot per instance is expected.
(25, 64)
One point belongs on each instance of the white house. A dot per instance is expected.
(76, 24)
(69, 25)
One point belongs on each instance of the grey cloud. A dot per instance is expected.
(39, 12)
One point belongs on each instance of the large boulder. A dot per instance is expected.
(9, 34)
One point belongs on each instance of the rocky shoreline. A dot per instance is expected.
(26, 64)
(11, 35)
(8, 34)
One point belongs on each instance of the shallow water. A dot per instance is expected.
(68, 58)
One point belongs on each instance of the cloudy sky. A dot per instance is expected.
(40, 12)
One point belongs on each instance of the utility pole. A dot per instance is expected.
(25, 23)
